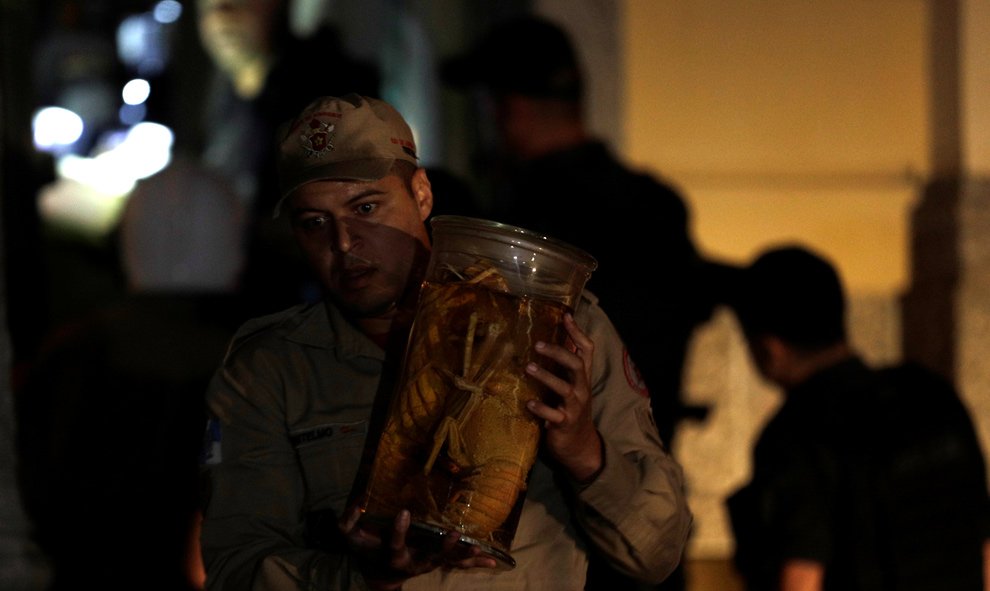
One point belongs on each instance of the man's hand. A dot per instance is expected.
(571, 436)
(387, 563)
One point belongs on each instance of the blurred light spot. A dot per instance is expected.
(143, 150)
(132, 39)
(132, 114)
(141, 44)
(56, 127)
(146, 150)
(66, 202)
(90, 191)
(136, 91)
(167, 11)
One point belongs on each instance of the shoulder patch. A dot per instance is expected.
(633, 376)
(210, 454)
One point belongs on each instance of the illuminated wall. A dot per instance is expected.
(811, 122)
(785, 120)
(780, 121)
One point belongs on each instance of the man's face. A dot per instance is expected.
(235, 32)
(362, 239)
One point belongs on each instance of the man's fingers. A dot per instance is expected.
(561, 355)
(549, 379)
(581, 340)
(350, 519)
(401, 526)
(450, 540)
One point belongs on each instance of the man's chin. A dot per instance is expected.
(364, 307)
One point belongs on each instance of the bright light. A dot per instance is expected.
(167, 11)
(55, 127)
(148, 148)
(145, 150)
(136, 91)
(90, 192)
(98, 174)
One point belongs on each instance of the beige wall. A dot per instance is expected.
(784, 120)
(779, 121)
(976, 99)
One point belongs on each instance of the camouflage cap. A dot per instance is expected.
(351, 137)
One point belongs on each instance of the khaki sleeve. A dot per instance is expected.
(636, 510)
(253, 529)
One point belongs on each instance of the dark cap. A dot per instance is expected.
(342, 138)
(526, 54)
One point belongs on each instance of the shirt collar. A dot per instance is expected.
(342, 336)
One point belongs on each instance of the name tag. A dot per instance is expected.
(329, 431)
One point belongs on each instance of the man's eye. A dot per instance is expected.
(366, 208)
(313, 223)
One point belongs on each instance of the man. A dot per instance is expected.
(293, 400)
(865, 478)
(543, 160)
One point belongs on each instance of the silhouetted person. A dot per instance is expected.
(864, 479)
(455, 196)
(111, 415)
(264, 75)
(651, 279)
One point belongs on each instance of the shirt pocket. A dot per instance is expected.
(330, 455)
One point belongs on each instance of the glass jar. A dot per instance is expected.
(458, 442)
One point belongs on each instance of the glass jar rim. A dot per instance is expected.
(518, 236)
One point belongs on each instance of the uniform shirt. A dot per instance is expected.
(291, 406)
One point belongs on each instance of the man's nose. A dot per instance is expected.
(343, 235)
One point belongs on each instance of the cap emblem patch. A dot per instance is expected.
(318, 139)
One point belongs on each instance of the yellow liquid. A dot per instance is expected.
(459, 443)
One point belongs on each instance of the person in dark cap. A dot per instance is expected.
(525, 55)
(634, 224)
(293, 403)
(865, 478)
(651, 279)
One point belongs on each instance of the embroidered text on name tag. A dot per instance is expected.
(327, 431)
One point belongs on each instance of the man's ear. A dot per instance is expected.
(778, 358)
(422, 193)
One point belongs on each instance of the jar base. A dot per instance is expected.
(503, 560)
(428, 535)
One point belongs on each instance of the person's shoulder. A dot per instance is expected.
(659, 192)
(641, 179)
(265, 330)
(649, 190)
(590, 316)
(920, 407)
(588, 304)
(907, 371)
(910, 380)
